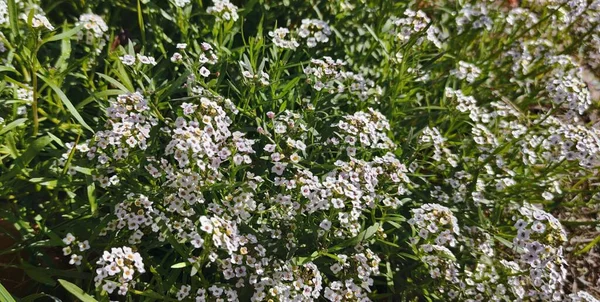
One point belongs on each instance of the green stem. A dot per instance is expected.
(34, 104)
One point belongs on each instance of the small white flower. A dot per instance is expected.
(204, 72)
(128, 60)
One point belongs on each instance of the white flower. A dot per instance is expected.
(204, 72)
(325, 224)
(41, 20)
(181, 3)
(128, 60)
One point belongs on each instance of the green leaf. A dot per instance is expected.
(34, 297)
(115, 82)
(98, 95)
(5, 296)
(12, 125)
(504, 241)
(22, 161)
(76, 291)
(589, 246)
(91, 194)
(8, 68)
(64, 35)
(13, 17)
(39, 276)
(179, 265)
(66, 102)
(141, 21)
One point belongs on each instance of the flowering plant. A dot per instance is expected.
(350, 150)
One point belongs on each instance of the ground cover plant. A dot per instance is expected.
(354, 150)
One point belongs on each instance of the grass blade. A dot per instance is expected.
(66, 102)
(13, 17)
(5, 295)
(76, 291)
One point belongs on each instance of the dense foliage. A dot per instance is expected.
(348, 150)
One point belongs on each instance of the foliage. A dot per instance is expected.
(256, 150)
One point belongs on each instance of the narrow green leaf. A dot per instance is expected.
(40, 276)
(64, 35)
(141, 21)
(504, 241)
(76, 291)
(66, 102)
(179, 265)
(22, 161)
(8, 68)
(13, 17)
(589, 246)
(34, 297)
(115, 82)
(99, 95)
(91, 194)
(5, 295)
(12, 125)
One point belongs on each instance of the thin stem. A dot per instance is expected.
(34, 104)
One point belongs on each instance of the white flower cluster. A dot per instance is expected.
(223, 10)
(279, 36)
(25, 94)
(95, 26)
(437, 222)
(3, 12)
(518, 16)
(129, 60)
(41, 21)
(566, 87)
(571, 142)
(117, 268)
(181, 3)
(133, 214)
(129, 126)
(414, 24)
(582, 296)
(206, 141)
(366, 129)
(259, 77)
(538, 246)
(366, 263)
(328, 75)
(314, 31)
(466, 71)
(475, 16)
(71, 241)
(441, 152)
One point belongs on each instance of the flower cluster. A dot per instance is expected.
(117, 269)
(475, 16)
(280, 38)
(3, 12)
(413, 25)
(538, 245)
(71, 241)
(181, 3)
(328, 75)
(434, 221)
(565, 87)
(94, 29)
(132, 214)
(365, 129)
(223, 10)
(129, 123)
(314, 31)
(466, 71)
(41, 21)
